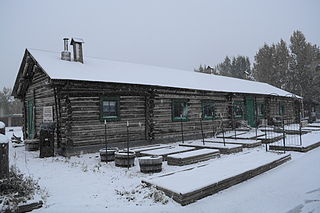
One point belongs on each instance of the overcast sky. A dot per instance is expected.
(171, 33)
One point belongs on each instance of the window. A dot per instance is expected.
(281, 109)
(260, 109)
(238, 109)
(109, 108)
(179, 110)
(208, 110)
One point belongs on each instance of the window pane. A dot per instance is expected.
(208, 109)
(237, 110)
(180, 109)
(109, 108)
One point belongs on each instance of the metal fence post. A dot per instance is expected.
(200, 117)
(213, 134)
(105, 139)
(181, 128)
(284, 135)
(128, 144)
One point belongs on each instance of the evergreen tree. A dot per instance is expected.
(237, 67)
(281, 64)
(225, 67)
(264, 64)
(206, 69)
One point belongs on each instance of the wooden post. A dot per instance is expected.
(4, 160)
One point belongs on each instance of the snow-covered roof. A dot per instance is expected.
(2, 125)
(102, 70)
(79, 40)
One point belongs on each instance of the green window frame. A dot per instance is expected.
(282, 109)
(109, 108)
(30, 119)
(208, 109)
(261, 107)
(238, 109)
(179, 109)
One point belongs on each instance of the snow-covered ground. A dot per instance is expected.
(84, 184)
(306, 140)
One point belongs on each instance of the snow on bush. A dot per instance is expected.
(17, 189)
(152, 193)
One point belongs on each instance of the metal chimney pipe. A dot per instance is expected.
(65, 40)
(65, 54)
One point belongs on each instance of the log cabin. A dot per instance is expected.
(81, 94)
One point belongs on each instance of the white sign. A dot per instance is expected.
(47, 114)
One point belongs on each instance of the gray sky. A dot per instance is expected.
(171, 33)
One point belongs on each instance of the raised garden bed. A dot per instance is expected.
(309, 141)
(224, 149)
(164, 152)
(295, 148)
(270, 138)
(246, 143)
(191, 157)
(139, 149)
(184, 186)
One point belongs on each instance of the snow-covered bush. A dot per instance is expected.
(16, 189)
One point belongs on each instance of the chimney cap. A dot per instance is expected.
(76, 40)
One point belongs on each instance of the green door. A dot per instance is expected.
(250, 111)
(30, 119)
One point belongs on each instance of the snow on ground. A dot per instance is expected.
(84, 184)
(216, 171)
(306, 140)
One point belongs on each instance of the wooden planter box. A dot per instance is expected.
(109, 156)
(122, 159)
(150, 164)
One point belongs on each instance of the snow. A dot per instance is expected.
(102, 70)
(194, 153)
(231, 133)
(294, 140)
(150, 147)
(314, 125)
(167, 151)
(84, 184)
(221, 169)
(199, 143)
(2, 125)
(16, 130)
(251, 134)
(235, 141)
(270, 135)
(4, 139)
